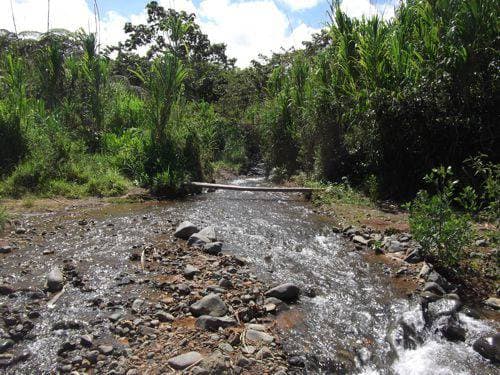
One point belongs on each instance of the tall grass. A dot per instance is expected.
(390, 98)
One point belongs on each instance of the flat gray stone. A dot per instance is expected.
(185, 360)
(211, 305)
(258, 336)
(185, 230)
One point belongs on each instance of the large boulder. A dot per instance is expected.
(285, 292)
(211, 305)
(55, 280)
(185, 230)
(213, 323)
(185, 360)
(489, 347)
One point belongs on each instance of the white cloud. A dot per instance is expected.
(247, 27)
(367, 8)
(301, 4)
(250, 28)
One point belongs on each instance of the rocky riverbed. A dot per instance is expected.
(174, 304)
(127, 294)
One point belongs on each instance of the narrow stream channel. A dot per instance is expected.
(352, 324)
(356, 314)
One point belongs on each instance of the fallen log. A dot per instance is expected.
(253, 188)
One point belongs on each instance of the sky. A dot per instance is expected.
(247, 27)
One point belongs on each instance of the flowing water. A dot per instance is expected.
(352, 325)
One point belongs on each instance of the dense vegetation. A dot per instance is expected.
(373, 103)
(384, 102)
(75, 122)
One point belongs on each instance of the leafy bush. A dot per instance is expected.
(436, 225)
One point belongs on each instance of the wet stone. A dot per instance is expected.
(434, 288)
(489, 347)
(182, 361)
(286, 292)
(198, 240)
(55, 280)
(209, 232)
(212, 248)
(185, 230)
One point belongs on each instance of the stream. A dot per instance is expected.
(353, 324)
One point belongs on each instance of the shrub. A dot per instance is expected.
(436, 225)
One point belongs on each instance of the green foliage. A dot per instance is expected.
(4, 217)
(337, 193)
(392, 99)
(436, 225)
(488, 181)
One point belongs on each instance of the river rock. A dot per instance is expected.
(363, 241)
(395, 247)
(453, 332)
(213, 323)
(5, 249)
(185, 360)
(5, 290)
(442, 307)
(86, 341)
(5, 344)
(190, 271)
(440, 280)
(212, 248)
(185, 230)
(414, 257)
(489, 347)
(258, 336)
(209, 232)
(198, 240)
(285, 292)
(434, 288)
(424, 271)
(211, 305)
(55, 280)
(493, 302)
